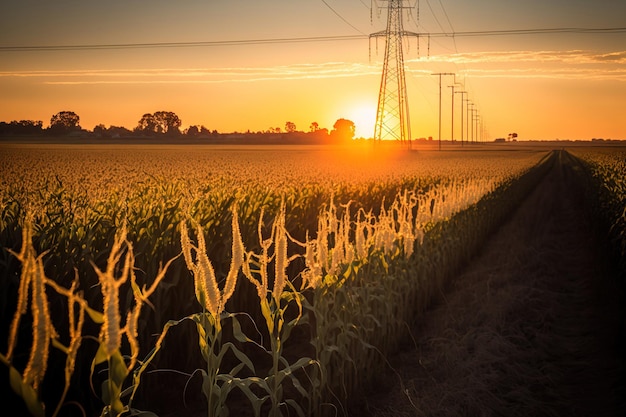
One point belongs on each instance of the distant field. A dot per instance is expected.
(270, 276)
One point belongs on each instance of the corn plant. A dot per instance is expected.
(608, 186)
(32, 278)
(121, 260)
(209, 323)
(275, 301)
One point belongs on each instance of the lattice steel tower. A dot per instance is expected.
(392, 116)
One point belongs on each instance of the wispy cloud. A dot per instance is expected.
(555, 73)
(579, 57)
(198, 75)
(572, 64)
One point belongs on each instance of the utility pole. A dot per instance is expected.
(440, 74)
(462, 93)
(469, 120)
(452, 122)
(475, 119)
(478, 122)
(392, 114)
(473, 110)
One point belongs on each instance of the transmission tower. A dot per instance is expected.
(392, 115)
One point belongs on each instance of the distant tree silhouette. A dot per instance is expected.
(118, 131)
(100, 131)
(160, 123)
(343, 130)
(314, 127)
(169, 122)
(147, 124)
(22, 127)
(206, 132)
(290, 127)
(64, 122)
(192, 131)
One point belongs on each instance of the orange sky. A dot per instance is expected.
(540, 86)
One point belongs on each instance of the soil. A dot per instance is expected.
(530, 328)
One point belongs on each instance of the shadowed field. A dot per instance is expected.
(531, 327)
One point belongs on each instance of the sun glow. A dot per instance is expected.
(364, 118)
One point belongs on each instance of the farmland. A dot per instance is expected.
(259, 280)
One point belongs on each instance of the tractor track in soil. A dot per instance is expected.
(531, 327)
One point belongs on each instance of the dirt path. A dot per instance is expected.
(528, 329)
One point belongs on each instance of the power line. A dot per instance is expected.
(537, 31)
(450, 24)
(435, 16)
(446, 14)
(342, 18)
(148, 45)
(223, 43)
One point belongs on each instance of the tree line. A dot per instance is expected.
(164, 124)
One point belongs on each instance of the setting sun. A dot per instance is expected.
(253, 68)
(364, 117)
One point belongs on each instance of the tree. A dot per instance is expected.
(118, 131)
(22, 127)
(100, 130)
(161, 122)
(192, 131)
(147, 124)
(343, 130)
(290, 127)
(64, 122)
(206, 132)
(168, 122)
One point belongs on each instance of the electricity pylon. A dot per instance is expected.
(392, 115)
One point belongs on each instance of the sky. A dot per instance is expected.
(542, 86)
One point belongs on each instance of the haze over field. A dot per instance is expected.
(543, 85)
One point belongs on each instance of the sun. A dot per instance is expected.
(364, 118)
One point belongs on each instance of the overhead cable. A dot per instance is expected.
(243, 42)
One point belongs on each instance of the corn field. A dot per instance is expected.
(608, 172)
(232, 281)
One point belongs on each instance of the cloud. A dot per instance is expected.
(585, 74)
(198, 75)
(617, 57)
(566, 57)
(571, 65)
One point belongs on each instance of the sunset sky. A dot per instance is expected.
(542, 86)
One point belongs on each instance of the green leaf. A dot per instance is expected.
(138, 413)
(238, 333)
(267, 314)
(118, 370)
(295, 406)
(96, 316)
(28, 394)
(111, 397)
(57, 344)
(100, 357)
(255, 401)
(300, 364)
(241, 356)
